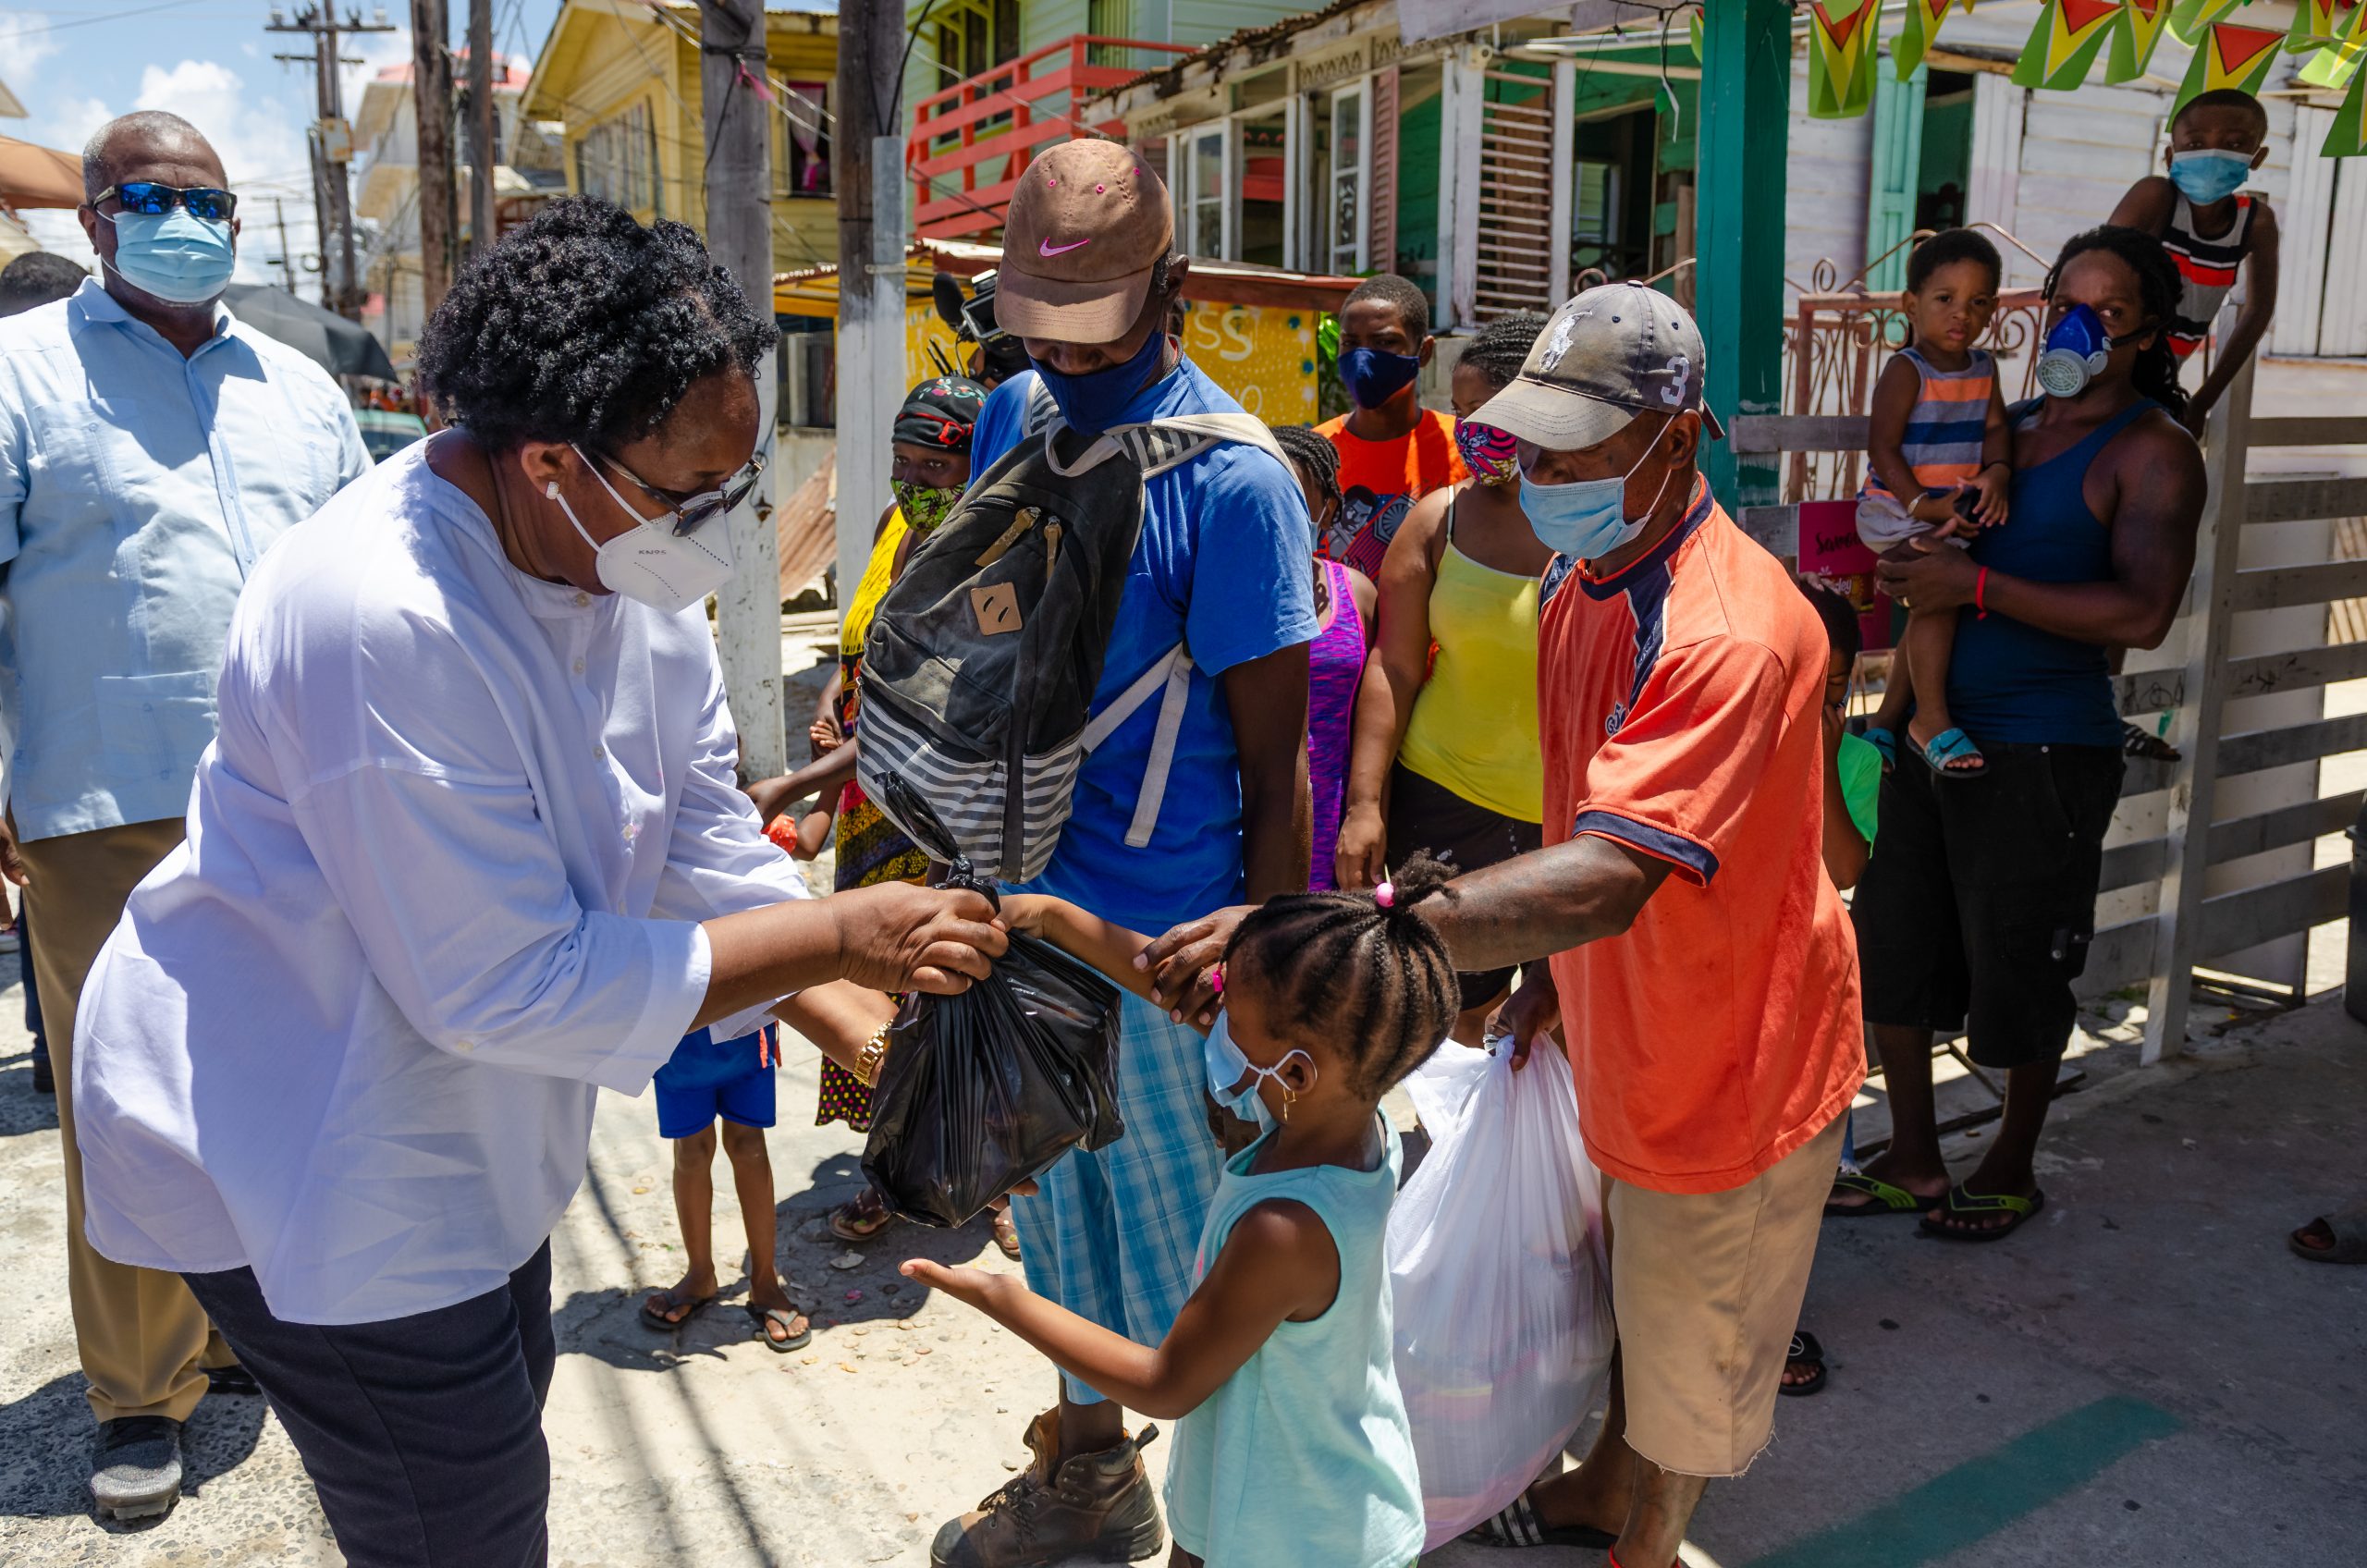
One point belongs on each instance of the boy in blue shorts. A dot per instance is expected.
(731, 1082)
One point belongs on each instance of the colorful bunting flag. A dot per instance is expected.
(2230, 55)
(2064, 44)
(2331, 67)
(1923, 19)
(2188, 17)
(2347, 138)
(2318, 23)
(1693, 25)
(1840, 58)
(2135, 32)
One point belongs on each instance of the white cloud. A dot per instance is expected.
(24, 41)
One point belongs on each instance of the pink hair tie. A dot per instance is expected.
(1385, 895)
(1216, 980)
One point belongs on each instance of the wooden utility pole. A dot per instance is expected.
(332, 140)
(736, 109)
(482, 153)
(868, 167)
(439, 216)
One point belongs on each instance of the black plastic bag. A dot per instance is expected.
(982, 1091)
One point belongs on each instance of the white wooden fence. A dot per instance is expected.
(2185, 924)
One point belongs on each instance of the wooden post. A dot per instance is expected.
(868, 158)
(2195, 730)
(1738, 276)
(440, 216)
(1563, 172)
(736, 126)
(1461, 89)
(482, 153)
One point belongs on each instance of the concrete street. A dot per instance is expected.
(2144, 1377)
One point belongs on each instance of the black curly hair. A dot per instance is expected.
(1501, 347)
(1312, 455)
(1402, 294)
(1953, 245)
(1375, 982)
(584, 326)
(2159, 287)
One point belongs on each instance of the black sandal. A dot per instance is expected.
(1805, 1351)
(789, 1319)
(1517, 1524)
(1962, 1202)
(2146, 745)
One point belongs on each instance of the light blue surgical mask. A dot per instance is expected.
(2209, 174)
(1228, 1066)
(1586, 519)
(172, 256)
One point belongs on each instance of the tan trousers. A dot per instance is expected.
(143, 1338)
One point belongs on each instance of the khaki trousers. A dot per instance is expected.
(143, 1338)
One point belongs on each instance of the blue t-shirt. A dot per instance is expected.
(1221, 567)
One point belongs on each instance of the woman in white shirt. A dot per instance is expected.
(468, 846)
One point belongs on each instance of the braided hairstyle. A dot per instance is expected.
(1375, 982)
(1501, 347)
(2159, 288)
(1313, 455)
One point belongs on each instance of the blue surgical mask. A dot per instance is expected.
(1228, 1066)
(1586, 519)
(172, 256)
(2076, 349)
(2209, 174)
(1096, 400)
(1373, 377)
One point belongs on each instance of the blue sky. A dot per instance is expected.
(77, 63)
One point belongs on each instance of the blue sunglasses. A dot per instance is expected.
(145, 196)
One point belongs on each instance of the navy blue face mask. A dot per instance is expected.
(1373, 377)
(1094, 401)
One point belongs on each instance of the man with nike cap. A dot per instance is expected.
(1089, 275)
(1703, 974)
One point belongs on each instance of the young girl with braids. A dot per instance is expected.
(1292, 1445)
(1344, 600)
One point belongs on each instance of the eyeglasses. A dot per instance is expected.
(690, 512)
(145, 196)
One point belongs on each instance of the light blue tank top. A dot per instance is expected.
(1304, 1455)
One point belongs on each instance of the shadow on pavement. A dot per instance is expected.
(45, 1450)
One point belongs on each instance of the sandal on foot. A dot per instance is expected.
(1885, 744)
(1805, 1351)
(2349, 1230)
(1961, 1204)
(1883, 1197)
(2138, 742)
(1953, 745)
(861, 1216)
(1517, 1524)
(1007, 1234)
(674, 1296)
(800, 1332)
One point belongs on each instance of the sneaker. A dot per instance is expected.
(1097, 1504)
(136, 1467)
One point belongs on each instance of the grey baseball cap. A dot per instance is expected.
(1612, 354)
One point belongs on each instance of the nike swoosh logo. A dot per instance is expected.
(1047, 249)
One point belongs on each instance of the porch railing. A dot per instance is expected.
(970, 141)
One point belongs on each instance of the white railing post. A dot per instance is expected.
(2196, 729)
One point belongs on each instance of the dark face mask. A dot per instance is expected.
(1094, 401)
(1372, 376)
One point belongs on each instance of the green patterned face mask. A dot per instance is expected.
(923, 506)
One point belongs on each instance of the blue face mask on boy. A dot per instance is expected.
(1373, 375)
(1096, 400)
(2209, 174)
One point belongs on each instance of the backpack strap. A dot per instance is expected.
(1040, 411)
(1171, 672)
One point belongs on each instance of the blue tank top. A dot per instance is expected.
(2008, 681)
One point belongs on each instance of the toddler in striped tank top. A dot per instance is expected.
(1937, 470)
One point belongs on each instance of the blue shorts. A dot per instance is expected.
(705, 1080)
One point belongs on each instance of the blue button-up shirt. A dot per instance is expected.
(137, 490)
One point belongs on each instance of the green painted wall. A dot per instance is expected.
(1417, 187)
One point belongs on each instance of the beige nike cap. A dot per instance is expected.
(1088, 224)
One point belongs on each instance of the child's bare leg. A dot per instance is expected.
(1898, 691)
(1926, 645)
(694, 1210)
(752, 1179)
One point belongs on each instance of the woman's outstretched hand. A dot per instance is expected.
(898, 937)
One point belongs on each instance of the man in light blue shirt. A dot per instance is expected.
(150, 449)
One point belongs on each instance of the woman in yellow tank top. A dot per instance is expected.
(1445, 758)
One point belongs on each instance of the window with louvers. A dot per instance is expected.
(1516, 243)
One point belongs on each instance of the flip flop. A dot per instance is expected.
(672, 1295)
(2350, 1232)
(1805, 1349)
(798, 1338)
(847, 1228)
(1517, 1524)
(2144, 743)
(1007, 1234)
(1885, 742)
(1961, 1201)
(1887, 1199)
(1949, 746)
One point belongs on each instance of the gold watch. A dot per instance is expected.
(867, 1060)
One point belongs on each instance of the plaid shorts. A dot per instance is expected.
(1113, 1233)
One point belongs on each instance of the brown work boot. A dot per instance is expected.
(1096, 1505)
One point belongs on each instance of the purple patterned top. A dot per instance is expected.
(1335, 663)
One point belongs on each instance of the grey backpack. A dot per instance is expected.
(979, 670)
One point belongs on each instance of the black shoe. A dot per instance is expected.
(232, 1379)
(45, 1080)
(136, 1466)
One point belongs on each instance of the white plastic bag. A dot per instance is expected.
(1504, 1328)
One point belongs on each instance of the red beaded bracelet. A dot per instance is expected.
(1980, 588)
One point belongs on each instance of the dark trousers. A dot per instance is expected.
(423, 1435)
(32, 986)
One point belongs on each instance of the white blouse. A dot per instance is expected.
(444, 864)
